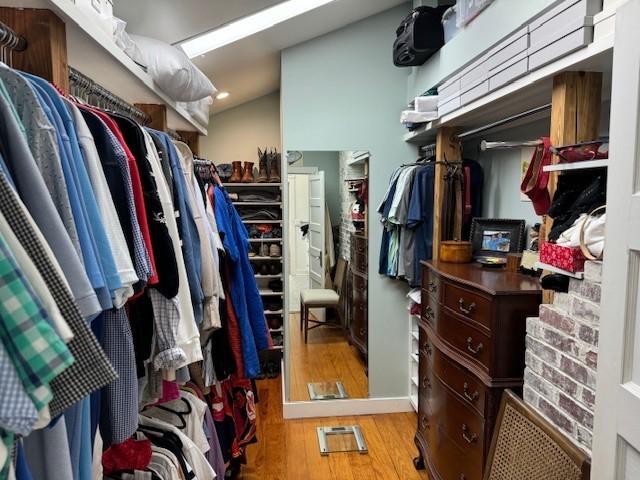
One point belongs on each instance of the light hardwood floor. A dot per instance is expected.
(288, 449)
(326, 357)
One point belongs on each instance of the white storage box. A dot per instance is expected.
(448, 90)
(495, 67)
(509, 71)
(450, 106)
(476, 92)
(561, 20)
(574, 41)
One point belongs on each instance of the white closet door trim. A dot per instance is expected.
(346, 408)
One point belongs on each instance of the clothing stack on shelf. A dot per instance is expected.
(258, 199)
(406, 212)
(131, 321)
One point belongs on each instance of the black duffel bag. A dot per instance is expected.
(419, 36)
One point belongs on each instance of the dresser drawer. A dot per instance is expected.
(467, 303)
(426, 345)
(360, 262)
(449, 459)
(358, 244)
(465, 338)
(430, 282)
(429, 308)
(458, 422)
(359, 322)
(424, 381)
(466, 386)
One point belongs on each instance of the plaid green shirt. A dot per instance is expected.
(37, 352)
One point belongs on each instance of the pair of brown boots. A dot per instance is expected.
(269, 171)
(240, 174)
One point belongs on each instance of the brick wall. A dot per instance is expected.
(346, 199)
(562, 355)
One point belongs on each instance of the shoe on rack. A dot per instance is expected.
(253, 232)
(264, 269)
(275, 285)
(275, 269)
(264, 250)
(275, 322)
(247, 175)
(263, 175)
(224, 171)
(274, 167)
(273, 305)
(236, 172)
(275, 251)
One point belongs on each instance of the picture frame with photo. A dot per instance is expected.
(496, 237)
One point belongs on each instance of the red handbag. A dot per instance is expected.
(534, 184)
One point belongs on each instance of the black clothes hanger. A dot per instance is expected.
(178, 413)
(169, 441)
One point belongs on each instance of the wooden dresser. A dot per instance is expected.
(472, 344)
(358, 291)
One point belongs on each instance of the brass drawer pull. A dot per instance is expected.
(426, 383)
(471, 397)
(362, 332)
(428, 312)
(427, 348)
(431, 286)
(424, 423)
(476, 350)
(468, 310)
(469, 438)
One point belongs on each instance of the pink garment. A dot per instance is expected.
(170, 392)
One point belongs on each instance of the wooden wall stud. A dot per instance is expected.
(192, 139)
(46, 52)
(575, 117)
(447, 148)
(158, 114)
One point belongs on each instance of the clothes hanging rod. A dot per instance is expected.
(504, 121)
(86, 87)
(484, 145)
(9, 39)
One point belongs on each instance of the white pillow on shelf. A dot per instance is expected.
(199, 110)
(171, 69)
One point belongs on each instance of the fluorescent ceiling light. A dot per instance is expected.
(249, 25)
(222, 95)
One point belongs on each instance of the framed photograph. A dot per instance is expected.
(496, 237)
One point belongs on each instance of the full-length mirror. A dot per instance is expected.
(327, 287)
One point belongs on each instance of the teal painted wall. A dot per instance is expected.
(329, 162)
(342, 92)
(499, 19)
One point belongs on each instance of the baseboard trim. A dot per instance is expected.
(345, 408)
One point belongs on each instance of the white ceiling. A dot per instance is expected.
(250, 68)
